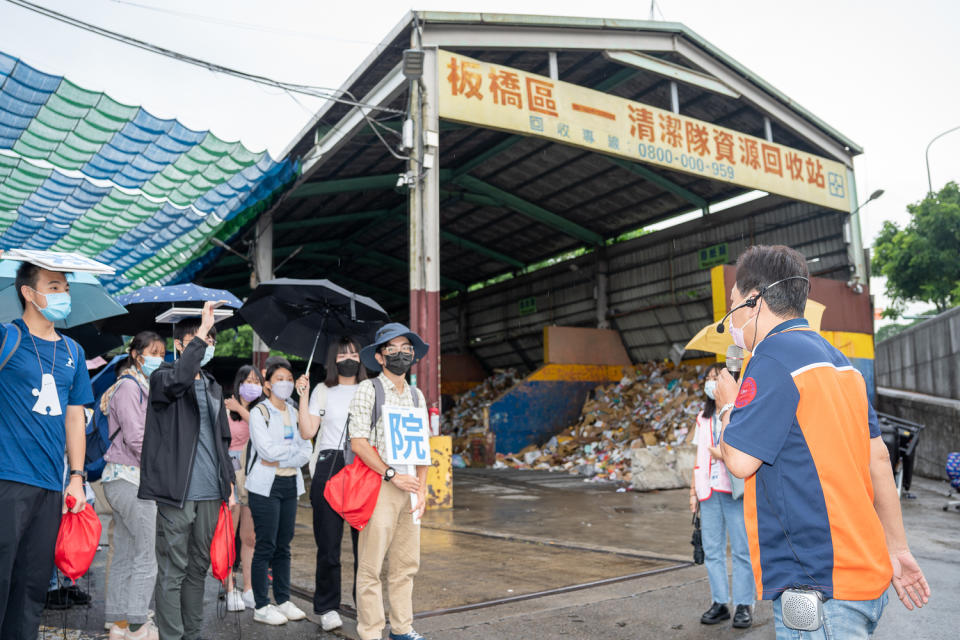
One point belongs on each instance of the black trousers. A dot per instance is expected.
(328, 534)
(274, 519)
(31, 520)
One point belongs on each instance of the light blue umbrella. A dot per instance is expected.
(89, 301)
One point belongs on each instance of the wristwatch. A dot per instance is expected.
(389, 473)
(79, 472)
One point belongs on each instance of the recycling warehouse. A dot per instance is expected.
(551, 160)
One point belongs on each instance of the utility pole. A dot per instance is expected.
(425, 221)
(262, 271)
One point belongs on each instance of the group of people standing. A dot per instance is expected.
(180, 449)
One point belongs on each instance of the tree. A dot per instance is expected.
(922, 261)
(890, 330)
(238, 343)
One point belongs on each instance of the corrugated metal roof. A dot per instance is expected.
(658, 294)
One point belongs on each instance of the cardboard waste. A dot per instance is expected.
(654, 405)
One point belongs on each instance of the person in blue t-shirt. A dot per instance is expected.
(45, 385)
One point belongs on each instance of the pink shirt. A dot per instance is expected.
(239, 433)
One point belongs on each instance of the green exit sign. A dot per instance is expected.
(528, 306)
(712, 256)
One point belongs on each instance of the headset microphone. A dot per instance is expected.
(752, 302)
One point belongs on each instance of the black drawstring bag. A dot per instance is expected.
(697, 539)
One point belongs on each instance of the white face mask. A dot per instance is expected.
(737, 334)
(709, 388)
(282, 389)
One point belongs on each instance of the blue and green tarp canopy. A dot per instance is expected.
(84, 173)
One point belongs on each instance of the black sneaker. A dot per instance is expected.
(77, 596)
(716, 613)
(742, 619)
(58, 599)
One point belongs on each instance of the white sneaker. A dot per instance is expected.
(235, 601)
(269, 615)
(330, 621)
(291, 611)
(148, 631)
(117, 633)
(249, 600)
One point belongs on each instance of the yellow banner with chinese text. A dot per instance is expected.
(499, 97)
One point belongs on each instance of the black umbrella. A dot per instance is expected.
(93, 341)
(301, 316)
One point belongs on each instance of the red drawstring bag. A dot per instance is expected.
(353, 493)
(77, 540)
(223, 551)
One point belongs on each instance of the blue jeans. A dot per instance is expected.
(720, 516)
(842, 620)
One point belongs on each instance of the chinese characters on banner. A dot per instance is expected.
(408, 435)
(499, 97)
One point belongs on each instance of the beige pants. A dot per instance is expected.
(390, 534)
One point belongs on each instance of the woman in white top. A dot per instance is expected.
(327, 412)
(273, 485)
(720, 498)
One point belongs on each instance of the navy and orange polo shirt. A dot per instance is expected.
(803, 411)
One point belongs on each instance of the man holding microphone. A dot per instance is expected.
(822, 513)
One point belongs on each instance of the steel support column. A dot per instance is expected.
(425, 228)
(601, 291)
(262, 271)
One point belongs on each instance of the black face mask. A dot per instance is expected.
(399, 363)
(348, 368)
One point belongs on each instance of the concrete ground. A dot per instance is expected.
(540, 555)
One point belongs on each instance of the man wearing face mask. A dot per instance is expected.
(186, 468)
(45, 385)
(822, 512)
(393, 532)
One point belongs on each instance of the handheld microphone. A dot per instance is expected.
(734, 361)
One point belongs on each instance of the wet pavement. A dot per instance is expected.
(540, 555)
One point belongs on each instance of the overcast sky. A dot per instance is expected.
(883, 72)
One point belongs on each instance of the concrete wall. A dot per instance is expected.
(942, 433)
(924, 358)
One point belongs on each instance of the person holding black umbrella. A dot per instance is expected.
(324, 415)
(393, 530)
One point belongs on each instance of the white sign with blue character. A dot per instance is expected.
(408, 435)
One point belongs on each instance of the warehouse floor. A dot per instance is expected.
(518, 533)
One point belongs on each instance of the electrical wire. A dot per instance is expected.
(320, 92)
(312, 90)
(240, 25)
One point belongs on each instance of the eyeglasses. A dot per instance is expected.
(392, 351)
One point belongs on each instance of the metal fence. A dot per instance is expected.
(924, 358)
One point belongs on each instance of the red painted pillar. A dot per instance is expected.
(425, 229)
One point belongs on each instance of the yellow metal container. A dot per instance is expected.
(440, 474)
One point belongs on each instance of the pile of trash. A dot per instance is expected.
(465, 421)
(653, 405)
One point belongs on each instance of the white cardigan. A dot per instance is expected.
(270, 445)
